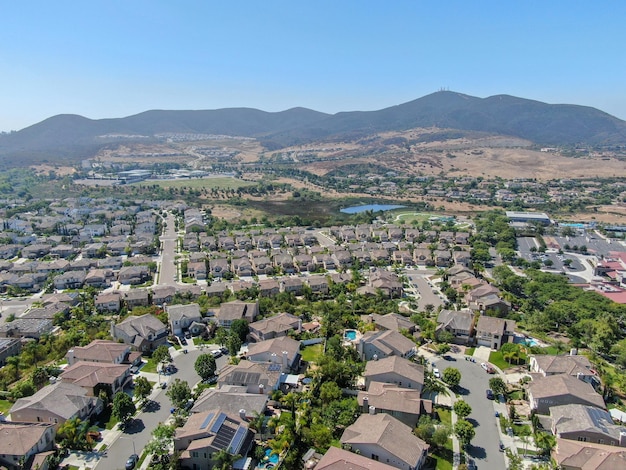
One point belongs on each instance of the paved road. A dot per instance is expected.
(168, 253)
(141, 433)
(475, 381)
(426, 292)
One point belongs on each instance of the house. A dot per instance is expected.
(318, 284)
(232, 400)
(574, 455)
(575, 365)
(56, 404)
(207, 433)
(133, 275)
(103, 351)
(402, 403)
(273, 327)
(26, 328)
(395, 370)
(181, 317)
(340, 459)
(562, 389)
(256, 377)
(163, 294)
(456, 322)
(385, 439)
(108, 302)
(98, 278)
(95, 377)
(586, 424)
(386, 343)
(22, 443)
(218, 267)
(293, 285)
(216, 289)
(282, 351)
(269, 287)
(144, 333)
(236, 310)
(136, 298)
(9, 347)
(493, 332)
(390, 321)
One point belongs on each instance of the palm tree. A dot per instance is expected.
(224, 460)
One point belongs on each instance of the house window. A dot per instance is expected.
(375, 457)
(582, 439)
(194, 454)
(600, 441)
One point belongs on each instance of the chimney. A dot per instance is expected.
(261, 389)
(372, 410)
(622, 439)
(274, 358)
(242, 415)
(375, 357)
(285, 360)
(573, 352)
(70, 357)
(366, 404)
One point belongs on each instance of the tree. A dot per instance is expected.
(497, 385)
(162, 354)
(240, 328)
(224, 460)
(72, 434)
(451, 376)
(179, 393)
(329, 391)
(544, 442)
(464, 430)
(515, 461)
(123, 408)
(462, 409)
(233, 344)
(441, 435)
(162, 438)
(205, 366)
(142, 388)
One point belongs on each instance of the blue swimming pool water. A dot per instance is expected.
(350, 334)
(370, 207)
(273, 457)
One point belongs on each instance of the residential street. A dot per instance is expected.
(474, 382)
(167, 275)
(140, 433)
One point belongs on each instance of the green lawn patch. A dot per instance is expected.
(469, 351)
(442, 459)
(312, 353)
(5, 406)
(515, 395)
(497, 360)
(150, 366)
(444, 415)
(551, 350)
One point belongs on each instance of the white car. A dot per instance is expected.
(436, 373)
(484, 366)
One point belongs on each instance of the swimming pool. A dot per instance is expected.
(273, 458)
(350, 334)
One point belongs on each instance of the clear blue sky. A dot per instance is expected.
(114, 58)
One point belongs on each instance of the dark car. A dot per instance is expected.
(490, 395)
(471, 464)
(132, 461)
(183, 341)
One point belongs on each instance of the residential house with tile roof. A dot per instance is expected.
(144, 333)
(21, 443)
(395, 370)
(56, 404)
(381, 344)
(585, 423)
(383, 438)
(402, 403)
(546, 392)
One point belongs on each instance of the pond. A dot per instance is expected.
(370, 207)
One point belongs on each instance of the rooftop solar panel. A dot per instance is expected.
(218, 422)
(207, 420)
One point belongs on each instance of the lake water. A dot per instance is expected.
(370, 207)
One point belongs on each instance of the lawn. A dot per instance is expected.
(150, 366)
(443, 459)
(444, 415)
(5, 406)
(469, 351)
(497, 360)
(312, 353)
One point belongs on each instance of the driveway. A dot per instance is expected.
(167, 274)
(474, 382)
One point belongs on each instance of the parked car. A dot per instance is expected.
(132, 461)
(436, 373)
(490, 395)
(216, 353)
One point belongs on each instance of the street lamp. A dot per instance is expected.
(131, 440)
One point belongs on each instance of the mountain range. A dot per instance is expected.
(68, 137)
